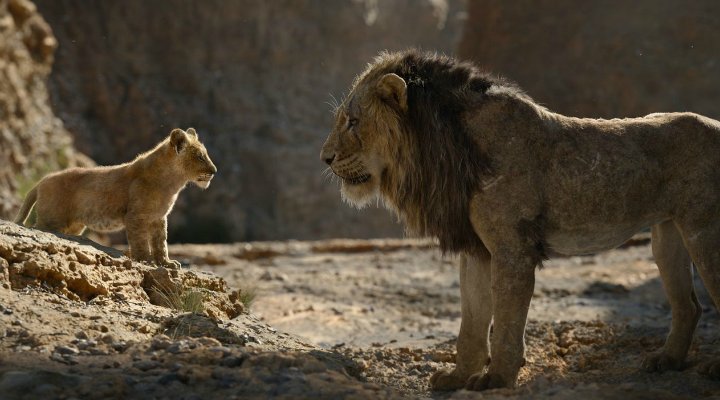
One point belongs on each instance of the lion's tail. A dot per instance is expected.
(27, 206)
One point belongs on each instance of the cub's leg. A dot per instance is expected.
(138, 236)
(476, 308)
(512, 283)
(675, 267)
(159, 244)
(702, 238)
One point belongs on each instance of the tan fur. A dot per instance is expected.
(137, 195)
(470, 159)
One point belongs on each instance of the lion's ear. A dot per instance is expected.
(393, 89)
(191, 131)
(178, 139)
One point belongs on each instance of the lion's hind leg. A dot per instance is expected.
(675, 268)
(473, 350)
(702, 238)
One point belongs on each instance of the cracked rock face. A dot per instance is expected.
(33, 141)
(254, 78)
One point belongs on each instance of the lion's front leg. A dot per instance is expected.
(513, 281)
(476, 308)
(159, 244)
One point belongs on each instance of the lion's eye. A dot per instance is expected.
(200, 157)
(352, 122)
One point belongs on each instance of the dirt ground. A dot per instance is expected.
(393, 306)
(330, 319)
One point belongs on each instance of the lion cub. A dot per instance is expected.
(137, 195)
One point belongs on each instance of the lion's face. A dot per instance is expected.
(359, 148)
(192, 157)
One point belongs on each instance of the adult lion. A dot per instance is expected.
(470, 159)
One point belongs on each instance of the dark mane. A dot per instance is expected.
(432, 196)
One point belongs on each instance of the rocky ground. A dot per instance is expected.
(330, 319)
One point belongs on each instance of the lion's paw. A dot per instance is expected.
(447, 380)
(486, 381)
(711, 369)
(661, 362)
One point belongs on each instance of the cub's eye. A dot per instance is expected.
(352, 122)
(200, 157)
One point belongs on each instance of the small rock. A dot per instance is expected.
(168, 378)
(181, 346)
(84, 344)
(75, 314)
(65, 359)
(107, 338)
(160, 342)
(51, 248)
(8, 311)
(84, 258)
(81, 335)
(146, 365)
(66, 350)
(232, 361)
(209, 342)
(119, 346)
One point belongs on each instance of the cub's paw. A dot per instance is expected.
(661, 362)
(447, 380)
(486, 381)
(711, 369)
(168, 263)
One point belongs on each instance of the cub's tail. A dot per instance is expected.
(27, 206)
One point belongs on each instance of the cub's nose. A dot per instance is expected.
(327, 157)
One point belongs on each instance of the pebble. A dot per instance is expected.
(84, 258)
(232, 361)
(119, 346)
(66, 350)
(107, 338)
(160, 342)
(65, 359)
(169, 378)
(209, 341)
(146, 365)
(181, 346)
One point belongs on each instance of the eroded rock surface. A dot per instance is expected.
(33, 141)
(81, 320)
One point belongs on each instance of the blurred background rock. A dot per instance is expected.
(254, 77)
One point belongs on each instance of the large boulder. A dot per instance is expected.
(255, 79)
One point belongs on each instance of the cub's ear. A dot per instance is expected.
(393, 90)
(178, 139)
(191, 131)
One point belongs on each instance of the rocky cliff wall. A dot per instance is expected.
(603, 58)
(32, 140)
(253, 77)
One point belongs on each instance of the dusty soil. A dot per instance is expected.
(393, 308)
(330, 319)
